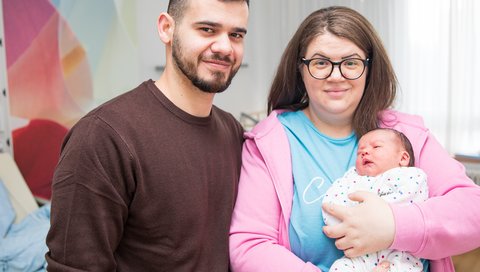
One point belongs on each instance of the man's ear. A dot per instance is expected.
(404, 159)
(165, 27)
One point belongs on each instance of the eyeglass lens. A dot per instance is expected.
(349, 68)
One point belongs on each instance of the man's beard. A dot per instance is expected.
(188, 68)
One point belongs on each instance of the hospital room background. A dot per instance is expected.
(61, 58)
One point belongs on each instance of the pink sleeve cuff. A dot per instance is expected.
(409, 228)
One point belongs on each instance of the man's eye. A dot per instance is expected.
(206, 29)
(236, 35)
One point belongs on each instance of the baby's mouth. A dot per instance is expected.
(366, 161)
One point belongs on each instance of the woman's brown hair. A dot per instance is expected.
(288, 89)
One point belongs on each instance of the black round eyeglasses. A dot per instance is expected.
(321, 68)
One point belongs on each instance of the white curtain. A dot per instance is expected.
(435, 55)
(420, 53)
(434, 47)
(464, 92)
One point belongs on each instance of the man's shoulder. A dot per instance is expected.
(223, 115)
(113, 114)
(124, 102)
(228, 120)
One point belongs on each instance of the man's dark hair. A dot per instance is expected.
(176, 8)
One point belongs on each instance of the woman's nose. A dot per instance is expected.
(336, 74)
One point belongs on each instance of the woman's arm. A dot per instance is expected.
(448, 223)
(256, 242)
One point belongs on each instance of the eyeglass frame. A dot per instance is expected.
(366, 63)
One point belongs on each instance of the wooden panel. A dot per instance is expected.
(468, 262)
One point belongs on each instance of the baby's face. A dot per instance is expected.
(379, 151)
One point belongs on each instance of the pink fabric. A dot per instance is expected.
(259, 230)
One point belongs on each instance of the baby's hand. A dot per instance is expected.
(382, 267)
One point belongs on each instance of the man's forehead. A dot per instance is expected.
(225, 13)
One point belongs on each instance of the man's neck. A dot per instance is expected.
(184, 94)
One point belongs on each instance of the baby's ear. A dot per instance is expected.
(404, 159)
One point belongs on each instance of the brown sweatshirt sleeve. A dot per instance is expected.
(92, 186)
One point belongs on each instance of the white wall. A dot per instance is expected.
(150, 48)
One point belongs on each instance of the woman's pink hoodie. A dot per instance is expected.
(447, 224)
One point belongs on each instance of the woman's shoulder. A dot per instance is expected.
(401, 121)
(269, 125)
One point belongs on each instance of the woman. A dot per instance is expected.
(334, 84)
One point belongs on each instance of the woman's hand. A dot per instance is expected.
(365, 228)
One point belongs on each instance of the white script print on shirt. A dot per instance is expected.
(311, 194)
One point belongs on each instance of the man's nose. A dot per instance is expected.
(222, 45)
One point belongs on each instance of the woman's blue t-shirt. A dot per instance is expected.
(317, 161)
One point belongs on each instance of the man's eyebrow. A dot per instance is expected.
(213, 24)
(240, 29)
(209, 23)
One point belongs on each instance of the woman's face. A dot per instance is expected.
(335, 98)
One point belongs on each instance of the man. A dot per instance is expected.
(147, 181)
